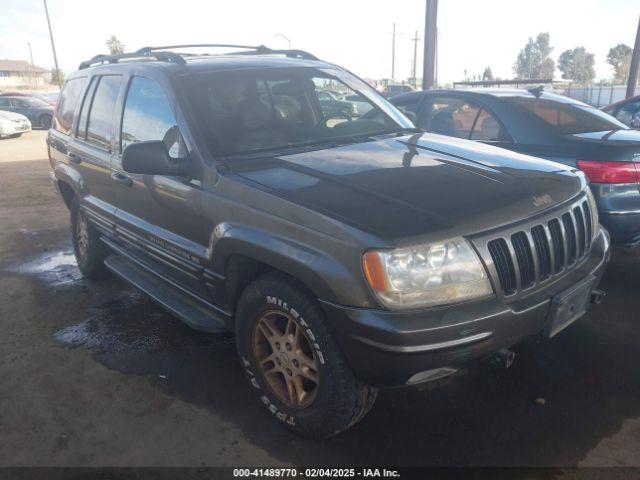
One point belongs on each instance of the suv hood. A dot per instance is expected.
(420, 185)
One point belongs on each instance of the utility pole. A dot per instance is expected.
(31, 79)
(415, 58)
(393, 52)
(53, 45)
(430, 35)
(635, 63)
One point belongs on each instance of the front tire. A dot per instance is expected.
(90, 252)
(293, 362)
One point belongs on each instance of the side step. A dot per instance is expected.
(194, 313)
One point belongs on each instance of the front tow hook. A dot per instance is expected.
(503, 358)
(597, 296)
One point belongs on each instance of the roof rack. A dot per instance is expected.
(165, 53)
(161, 56)
(251, 50)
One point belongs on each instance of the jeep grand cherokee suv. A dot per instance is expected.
(345, 255)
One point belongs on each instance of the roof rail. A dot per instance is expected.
(252, 50)
(164, 53)
(161, 56)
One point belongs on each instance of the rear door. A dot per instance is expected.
(158, 216)
(92, 146)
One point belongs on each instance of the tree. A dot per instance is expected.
(534, 61)
(577, 65)
(57, 77)
(619, 57)
(116, 47)
(487, 75)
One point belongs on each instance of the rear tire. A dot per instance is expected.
(327, 398)
(89, 250)
(46, 121)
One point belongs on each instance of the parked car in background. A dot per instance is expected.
(627, 111)
(39, 113)
(13, 124)
(393, 90)
(346, 256)
(40, 96)
(548, 126)
(333, 107)
(361, 105)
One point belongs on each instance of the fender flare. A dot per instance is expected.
(321, 273)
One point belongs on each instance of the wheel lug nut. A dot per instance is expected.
(278, 345)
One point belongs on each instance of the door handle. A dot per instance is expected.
(74, 157)
(122, 179)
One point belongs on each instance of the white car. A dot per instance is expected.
(13, 124)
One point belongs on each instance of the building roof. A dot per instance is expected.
(20, 66)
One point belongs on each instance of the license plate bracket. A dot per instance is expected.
(568, 306)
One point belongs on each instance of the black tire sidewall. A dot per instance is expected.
(332, 408)
(46, 121)
(92, 265)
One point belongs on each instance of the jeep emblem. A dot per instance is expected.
(542, 200)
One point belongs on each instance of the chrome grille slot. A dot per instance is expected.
(558, 244)
(524, 257)
(587, 221)
(521, 258)
(542, 249)
(504, 266)
(582, 234)
(570, 233)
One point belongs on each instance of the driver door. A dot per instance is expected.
(158, 216)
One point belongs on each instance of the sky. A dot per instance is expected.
(356, 34)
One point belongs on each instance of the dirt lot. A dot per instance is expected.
(96, 374)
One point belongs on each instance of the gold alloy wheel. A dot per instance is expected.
(286, 359)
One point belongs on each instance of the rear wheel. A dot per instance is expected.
(46, 121)
(90, 252)
(293, 362)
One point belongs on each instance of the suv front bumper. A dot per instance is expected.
(392, 348)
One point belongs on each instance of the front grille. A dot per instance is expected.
(541, 250)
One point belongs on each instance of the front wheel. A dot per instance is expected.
(293, 362)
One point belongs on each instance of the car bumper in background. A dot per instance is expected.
(388, 348)
(18, 128)
(619, 211)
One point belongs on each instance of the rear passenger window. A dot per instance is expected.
(81, 131)
(487, 128)
(69, 99)
(102, 108)
(148, 116)
(451, 116)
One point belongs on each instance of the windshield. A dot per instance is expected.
(272, 109)
(567, 117)
(33, 102)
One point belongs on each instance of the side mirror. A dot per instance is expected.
(151, 158)
(635, 121)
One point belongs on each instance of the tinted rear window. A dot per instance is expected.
(568, 118)
(102, 108)
(69, 99)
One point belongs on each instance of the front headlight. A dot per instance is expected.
(426, 275)
(595, 221)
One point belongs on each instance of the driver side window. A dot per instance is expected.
(148, 116)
